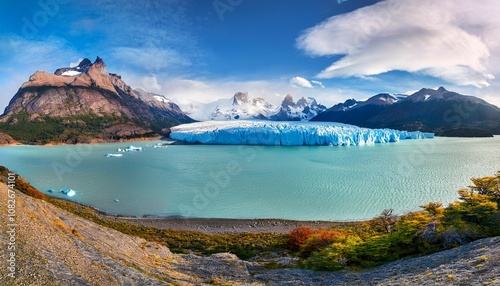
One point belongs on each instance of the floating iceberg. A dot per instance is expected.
(68, 192)
(108, 155)
(133, 148)
(287, 133)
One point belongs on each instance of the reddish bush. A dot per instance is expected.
(298, 237)
(319, 239)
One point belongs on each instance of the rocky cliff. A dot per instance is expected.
(82, 103)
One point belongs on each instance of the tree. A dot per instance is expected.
(387, 220)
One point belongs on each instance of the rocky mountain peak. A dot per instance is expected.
(240, 98)
(350, 102)
(83, 68)
(303, 102)
(100, 66)
(84, 65)
(382, 99)
(287, 102)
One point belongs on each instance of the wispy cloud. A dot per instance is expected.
(445, 39)
(21, 58)
(318, 83)
(185, 91)
(151, 84)
(299, 81)
(152, 36)
(151, 59)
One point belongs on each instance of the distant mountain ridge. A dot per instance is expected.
(241, 106)
(443, 112)
(85, 103)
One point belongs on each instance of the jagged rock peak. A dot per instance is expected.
(84, 65)
(287, 101)
(303, 102)
(240, 97)
(101, 66)
(288, 98)
(99, 60)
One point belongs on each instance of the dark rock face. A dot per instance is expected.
(82, 67)
(89, 90)
(240, 98)
(439, 111)
(303, 109)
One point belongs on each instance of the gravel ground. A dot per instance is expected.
(219, 226)
(54, 247)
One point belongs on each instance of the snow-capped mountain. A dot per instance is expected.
(443, 112)
(302, 110)
(156, 100)
(241, 106)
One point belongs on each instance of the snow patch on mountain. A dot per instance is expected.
(71, 73)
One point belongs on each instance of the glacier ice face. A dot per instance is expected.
(287, 133)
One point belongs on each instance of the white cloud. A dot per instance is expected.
(300, 82)
(445, 39)
(318, 83)
(150, 83)
(150, 58)
(74, 64)
(21, 58)
(184, 91)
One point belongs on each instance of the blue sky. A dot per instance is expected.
(203, 50)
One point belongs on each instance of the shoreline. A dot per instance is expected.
(96, 141)
(212, 225)
(226, 225)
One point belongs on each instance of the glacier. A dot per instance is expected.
(287, 133)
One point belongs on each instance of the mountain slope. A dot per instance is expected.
(440, 111)
(83, 103)
(241, 106)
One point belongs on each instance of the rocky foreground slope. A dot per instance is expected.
(54, 247)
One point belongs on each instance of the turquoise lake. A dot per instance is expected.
(303, 182)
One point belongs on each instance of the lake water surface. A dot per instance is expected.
(302, 182)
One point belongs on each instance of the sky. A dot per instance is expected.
(204, 50)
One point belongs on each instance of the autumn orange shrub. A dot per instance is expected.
(298, 237)
(306, 240)
(320, 239)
